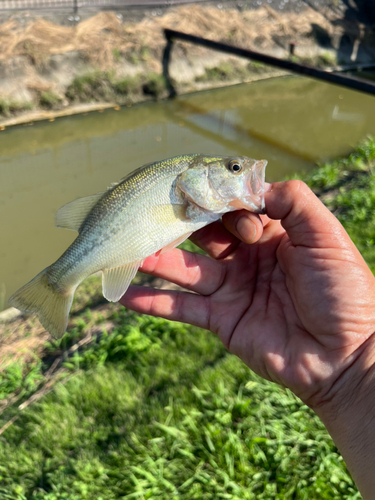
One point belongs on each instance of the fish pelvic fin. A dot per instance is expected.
(42, 297)
(117, 280)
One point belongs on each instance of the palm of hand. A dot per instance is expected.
(284, 305)
(279, 309)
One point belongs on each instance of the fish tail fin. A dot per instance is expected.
(42, 297)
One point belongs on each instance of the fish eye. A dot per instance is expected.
(235, 167)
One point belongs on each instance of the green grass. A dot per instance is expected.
(10, 107)
(223, 72)
(347, 187)
(231, 70)
(154, 85)
(94, 86)
(44, 99)
(127, 86)
(116, 54)
(178, 418)
(157, 409)
(322, 60)
(102, 86)
(49, 100)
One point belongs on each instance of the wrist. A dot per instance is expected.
(348, 412)
(353, 386)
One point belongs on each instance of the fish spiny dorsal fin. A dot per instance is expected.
(72, 215)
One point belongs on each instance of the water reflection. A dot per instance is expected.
(292, 122)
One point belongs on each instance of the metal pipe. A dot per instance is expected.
(167, 77)
(302, 69)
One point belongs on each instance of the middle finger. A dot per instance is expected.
(192, 271)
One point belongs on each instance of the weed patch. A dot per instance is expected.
(10, 107)
(103, 86)
(158, 409)
(95, 86)
(322, 60)
(49, 100)
(127, 86)
(154, 85)
(347, 187)
(231, 70)
(223, 72)
(201, 427)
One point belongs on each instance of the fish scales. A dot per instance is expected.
(109, 216)
(154, 208)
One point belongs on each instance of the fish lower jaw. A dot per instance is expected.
(250, 206)
(198, 214)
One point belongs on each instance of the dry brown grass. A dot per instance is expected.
(15, 346)
(103, 35)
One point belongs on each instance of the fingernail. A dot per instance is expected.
(246, 230)
(267, 187)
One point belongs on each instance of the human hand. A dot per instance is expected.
(296, 305)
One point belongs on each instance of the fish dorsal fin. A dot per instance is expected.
(72, 215)
(117, 280)
(116, 183)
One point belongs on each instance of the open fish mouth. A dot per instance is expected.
(253, 197)
(256, 181)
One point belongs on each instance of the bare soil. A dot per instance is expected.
(40, 61)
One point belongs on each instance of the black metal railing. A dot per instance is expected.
(301, 69)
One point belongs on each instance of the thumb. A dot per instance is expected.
(303, 216)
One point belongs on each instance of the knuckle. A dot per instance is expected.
(195, 272)
(298, 186)
(179, 307)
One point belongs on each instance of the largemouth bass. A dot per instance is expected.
(155, 208)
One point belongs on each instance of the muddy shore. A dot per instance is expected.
(49, 69)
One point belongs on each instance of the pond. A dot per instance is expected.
(292, 122)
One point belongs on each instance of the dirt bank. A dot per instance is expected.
(103, 59)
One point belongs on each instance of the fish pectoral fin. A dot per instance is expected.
(174, 243)
(117, 280)
(168, 214)
(72, 215)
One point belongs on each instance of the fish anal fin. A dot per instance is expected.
(174, 244)
(72, 215)
(117, 280)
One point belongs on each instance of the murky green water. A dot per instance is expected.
(292, 122)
